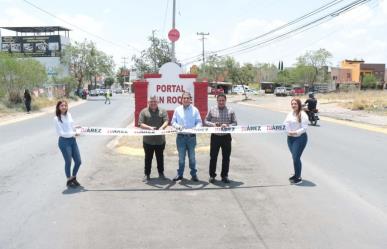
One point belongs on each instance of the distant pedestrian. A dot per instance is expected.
(186, 116)
(296, 124)
(153, 118)
(107, 96)
(67, 143)
(220, 116)
(27, 100)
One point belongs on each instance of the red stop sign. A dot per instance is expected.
(173, 35)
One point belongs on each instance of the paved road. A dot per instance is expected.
(343, 203)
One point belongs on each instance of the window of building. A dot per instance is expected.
(334, 77)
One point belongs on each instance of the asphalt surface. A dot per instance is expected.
(341, 204)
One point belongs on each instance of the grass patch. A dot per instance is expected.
(37, 104)
(42, 102)
(373, 101)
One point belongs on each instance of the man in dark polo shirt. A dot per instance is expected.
(153, 118)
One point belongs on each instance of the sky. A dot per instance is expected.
(125, 26)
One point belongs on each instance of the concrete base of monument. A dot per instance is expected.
(132, 146)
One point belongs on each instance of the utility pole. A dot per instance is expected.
(203, 38)
(154, 51)
(124, 62)
(173, 26)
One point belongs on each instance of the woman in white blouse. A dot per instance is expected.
(67, 143)
(296, 124)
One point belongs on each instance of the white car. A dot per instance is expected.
(281, 91)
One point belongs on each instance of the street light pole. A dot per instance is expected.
(173, 26)
(154, 51)
(203, 38)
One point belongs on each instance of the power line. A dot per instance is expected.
(337, 29)
(316, 11)
(300, 29)
(330, 15)
(303, 17)
(78, 27)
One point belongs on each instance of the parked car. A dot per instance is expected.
(118, 91)
(93, 93)
(240, 89)
(281, 91)
(101, 92)
(297, 91)
(217, 91)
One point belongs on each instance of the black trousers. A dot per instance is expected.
(28, 106)
(218, 142)
(149, 151)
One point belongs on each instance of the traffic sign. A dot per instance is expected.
(173, 35)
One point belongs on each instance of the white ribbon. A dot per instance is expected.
(243, 129)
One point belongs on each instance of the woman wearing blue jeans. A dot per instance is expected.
(67, 143)
(296, 124)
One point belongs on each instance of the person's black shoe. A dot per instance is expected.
(146, 178)
(162, 176)
(71, 184)
(297, 180)
(211, 180)
(177, 178)
(291, 179)
(195, 179)
(76, 182)
(225, 180)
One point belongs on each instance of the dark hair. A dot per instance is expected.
(57, 110)
(299, 108)
(221, 95)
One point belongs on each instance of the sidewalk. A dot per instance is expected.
(9, 118)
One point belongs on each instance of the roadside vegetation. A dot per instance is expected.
(370, 100)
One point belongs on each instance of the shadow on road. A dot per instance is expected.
(193, 185)
(189, 188)
(317, 125)
(70, 191)
(306, 183)
(232, 184)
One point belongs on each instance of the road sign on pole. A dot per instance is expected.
(173, 35)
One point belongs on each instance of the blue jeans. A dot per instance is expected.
(186, 143)
(296, 146)
(69, 149)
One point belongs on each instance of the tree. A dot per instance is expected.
(266, 72)
(237, 74)
(312, 64)
(86, 62)
(213, 70)
(19, 73)
(120, 77)
(152, 58)
(109, 81)
(369, 81)
(76, 57)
